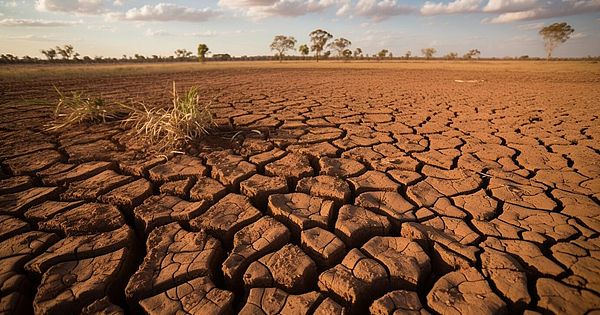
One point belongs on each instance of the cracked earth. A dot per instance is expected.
(374, 191)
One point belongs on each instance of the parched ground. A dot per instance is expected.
(358, 190)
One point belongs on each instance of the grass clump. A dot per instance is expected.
(76, 108)
(172, 127)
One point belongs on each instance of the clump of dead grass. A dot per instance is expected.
(170, 128)
(77, 108)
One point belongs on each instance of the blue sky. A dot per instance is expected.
(246, 27)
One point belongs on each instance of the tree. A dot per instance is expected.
(318, 39)
(428, 52)
(358, 53)
(326, 54)
(66, 51)
(339, 45)
(303, 49)
(182, 53)
(554, 35)
(472, 53)
(407, 54)
(347, 53)
(382, 53)
(451, 56)
(202, 50)
(50, 53)
(282, 43)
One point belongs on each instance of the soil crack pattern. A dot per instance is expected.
(329, 192)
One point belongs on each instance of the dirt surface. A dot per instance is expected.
(344, 190)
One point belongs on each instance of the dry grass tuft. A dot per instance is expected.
(77, 108)
(172, 127)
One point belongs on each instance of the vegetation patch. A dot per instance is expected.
(77, 108)
(169, 128)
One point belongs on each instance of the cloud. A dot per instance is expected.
(530, 26)
(166, 12)
(10, 4)
(548, 9)
(72, 6)
(290, 8)
(579, 35)
(41, 38)
(36, 23)
(454, 7)
(157, 33)
(502, 6)
(379, 10)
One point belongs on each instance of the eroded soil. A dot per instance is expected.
(363, 190)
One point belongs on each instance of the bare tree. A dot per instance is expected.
(339, 45)
(282, 43)
(428, 52)
(407, 54)
(554, 35)
(318, 39)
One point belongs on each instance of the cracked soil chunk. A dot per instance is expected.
(326, 187)
(289, 268)
(174, 256)
(81, 246)
(179, 167)
(464, 292)
(301, 211)
(68, 287)
(391, 204)
(259, 187)
(164, 209)
(322, 246)
(272, 301)
(95, 186)
(398, 302)
(356, 225)
(227, 216)
(251, 242)
(196, 296)
(341, 167)
(89, 218)
(561, 299)
(404, 259)
(292, 167)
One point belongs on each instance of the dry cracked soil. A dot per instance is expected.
(343, 191)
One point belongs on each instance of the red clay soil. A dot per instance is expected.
(375, 191)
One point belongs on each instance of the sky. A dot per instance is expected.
(112, 28)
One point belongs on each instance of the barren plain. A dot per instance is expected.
(406, 188)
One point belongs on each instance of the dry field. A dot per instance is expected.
(451, 188)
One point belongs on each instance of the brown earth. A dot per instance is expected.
(364, 190)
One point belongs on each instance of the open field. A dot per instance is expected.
(440, 187)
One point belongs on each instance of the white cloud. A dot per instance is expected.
(579, 35)
(290, 8)
(548, 9)
(502, 6)
(166, 12)
(41, 38)
(454, 7)
(380, 10)
(530, 26)
(72, 6)
(36, 23)
(157, 33)
(10, 4)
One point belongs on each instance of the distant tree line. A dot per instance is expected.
(321, 43)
